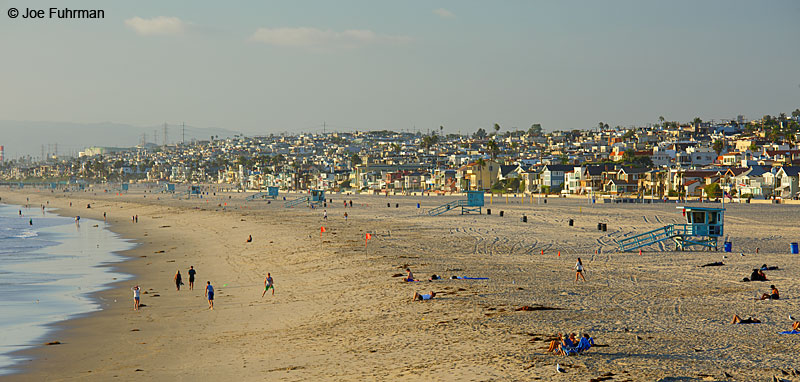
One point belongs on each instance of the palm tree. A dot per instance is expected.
(496, 128)
(441, 129)
(661, 120)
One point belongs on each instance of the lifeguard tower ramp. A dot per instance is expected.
(168, 188)
(294, 202)
(272, 193)
(703, 228)
(473, 203)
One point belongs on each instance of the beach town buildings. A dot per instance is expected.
(757, 159)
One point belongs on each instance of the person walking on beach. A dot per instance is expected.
(268, 285)
(325, 214)
(178, 280)
(345, 216)
(191, 273)
(135, 297)
(104, 216)
(579, 270)
(210, 295)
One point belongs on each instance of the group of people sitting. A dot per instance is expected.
(756, 275)
(569, 345)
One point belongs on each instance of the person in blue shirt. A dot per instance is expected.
(210, 295)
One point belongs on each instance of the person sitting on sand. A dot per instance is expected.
(249, 238)
(773, 295)
(565, 345)
(748, 320)
(410, 276)
(554, 344)
(585, 343)
(796, 326)
(423, 297)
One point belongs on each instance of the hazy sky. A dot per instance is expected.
(273, 66)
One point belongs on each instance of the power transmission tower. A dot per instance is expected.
(165, 134)
(183, 137)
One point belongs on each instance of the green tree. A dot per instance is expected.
(713, 190)
(355, 159)
(628, 134)
(480, 134)
(718, 146)
(496, 128)
(535, 130)
(796, 113)
(493, 148)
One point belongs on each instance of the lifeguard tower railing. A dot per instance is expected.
(473, 203)
(703, 228)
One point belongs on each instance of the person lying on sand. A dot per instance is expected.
(435, 277)
(423, 297)
(796, 326)
(773, 295)
(748, 320)
(770, 268)
(410, 276)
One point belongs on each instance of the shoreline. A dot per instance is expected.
(56, 329)
(340, 314)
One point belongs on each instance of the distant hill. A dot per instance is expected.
(22, 138)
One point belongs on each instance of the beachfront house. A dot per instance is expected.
(788, 182)
(552, 176)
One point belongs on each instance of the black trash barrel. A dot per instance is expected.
(501, 213)
(605, 227)
(571, 222)
(488, 211)
(599, 226)
(524, 219)
(389, 205)
(397, 205)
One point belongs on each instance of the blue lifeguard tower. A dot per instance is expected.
(272, 193)
(704, 226)
(316, 198)
(473, 203)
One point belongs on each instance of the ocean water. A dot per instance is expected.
(47, 272)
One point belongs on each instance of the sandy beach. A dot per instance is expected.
(340, 312)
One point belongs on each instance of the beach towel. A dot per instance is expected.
(471, 278)
(790, 332)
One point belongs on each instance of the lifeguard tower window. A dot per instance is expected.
(712, 217)
(697, 217)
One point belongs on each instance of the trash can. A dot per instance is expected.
(605, 227)
(389, 205)
(794, 248)
(501, 213)
(417, 205)
(599, 226)
(524, 219)
(728, 246)
(397, 205)
(488, 211)
(571, 222)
